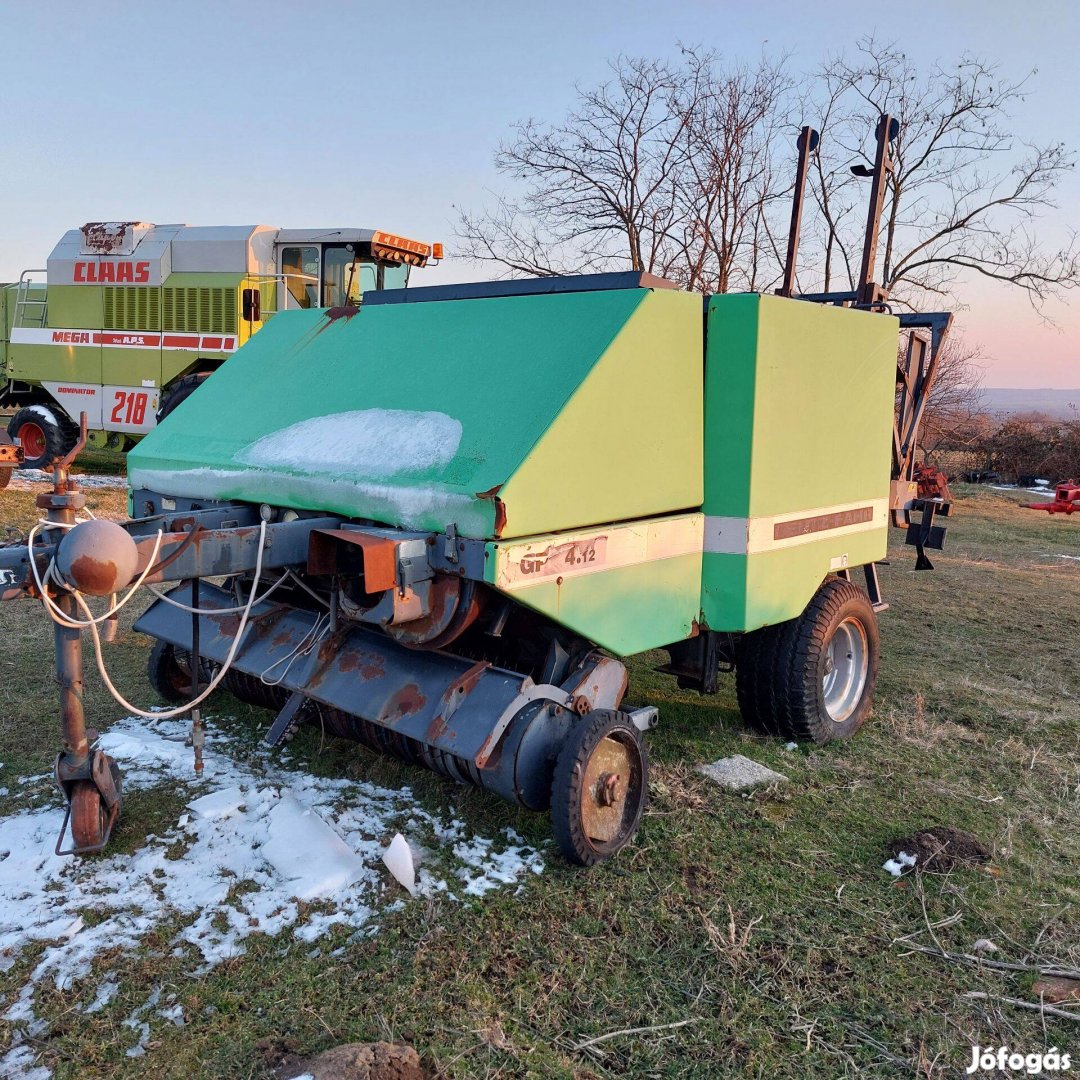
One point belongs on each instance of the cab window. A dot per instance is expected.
(395, 275)
(345, 276)
(300, 269)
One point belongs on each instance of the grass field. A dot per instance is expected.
(763, 926)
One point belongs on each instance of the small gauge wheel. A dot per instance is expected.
(600, 787)
(89, 813)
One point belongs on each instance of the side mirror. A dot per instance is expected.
(252, 305)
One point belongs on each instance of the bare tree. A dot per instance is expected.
(678, 169)
(955, 418)
(964, 193)
(665, 168)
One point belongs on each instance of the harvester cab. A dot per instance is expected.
(447, 560)
(129, 318)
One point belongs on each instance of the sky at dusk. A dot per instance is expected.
(386, 116)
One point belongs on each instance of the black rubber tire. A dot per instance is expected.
(754, 682)
(59, 432)
(566, 787)
(180, 391)
(780, 674)
(169, 672)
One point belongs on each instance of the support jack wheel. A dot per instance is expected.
(89, 816)
(600, 787)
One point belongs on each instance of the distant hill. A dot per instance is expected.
(1003, 401)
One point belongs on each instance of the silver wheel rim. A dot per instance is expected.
(847, 663)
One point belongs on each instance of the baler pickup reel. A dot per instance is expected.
(348, 635)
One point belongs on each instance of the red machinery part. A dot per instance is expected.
(1066, 500)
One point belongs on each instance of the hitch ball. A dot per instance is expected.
(97, 557)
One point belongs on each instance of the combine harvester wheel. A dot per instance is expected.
(45, 436)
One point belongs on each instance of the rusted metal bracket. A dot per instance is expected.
(11, 457)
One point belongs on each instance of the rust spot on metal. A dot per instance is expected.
(96, 576)
(228, 625)
(408, 701)
(492, 493)
(281, 639)
(335, 314)
(453, 696)
(369, 665)
(105, 237)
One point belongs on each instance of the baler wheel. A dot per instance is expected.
(600, 787)
(169, 672)
(813, 677)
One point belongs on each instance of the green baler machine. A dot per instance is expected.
(478, 497)
(442, 517)
(621, 486)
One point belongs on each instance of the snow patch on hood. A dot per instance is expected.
(362, 444)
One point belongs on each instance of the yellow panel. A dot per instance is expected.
(628, 443)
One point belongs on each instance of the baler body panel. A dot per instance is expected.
(628, 587)
(502, 416)
(798, 410)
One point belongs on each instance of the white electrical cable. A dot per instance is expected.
(216, 610)
(213, 684)
(303, 647)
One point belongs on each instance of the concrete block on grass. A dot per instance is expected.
(738, 773)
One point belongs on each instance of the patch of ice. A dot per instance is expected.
(105, 993)
(365, 443)
(398, 858)
(286, 835)
(307, 853)
(218, 804)
(899, 864)
(27, 478)
(1030, 491)
(410, 505)
(18, 1064)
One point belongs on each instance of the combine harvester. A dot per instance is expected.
(440, 539)
(133, 317)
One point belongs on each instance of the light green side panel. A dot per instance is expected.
(628, 442)
(75, 307)
(628, 587)
(55, 363)
(629, 610)
(823, 415)
(745, 592)
(433, 406)
(799, 413)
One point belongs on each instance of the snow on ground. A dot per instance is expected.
(1046, 493)
(30, 478)
(287, 835)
